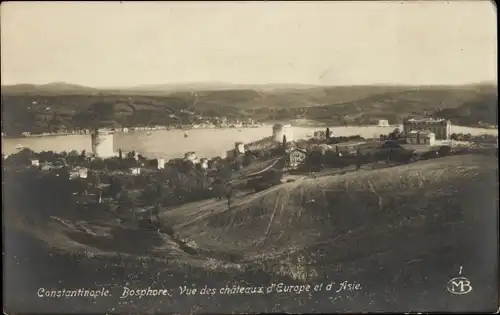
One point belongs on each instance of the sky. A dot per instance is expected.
(112, 44)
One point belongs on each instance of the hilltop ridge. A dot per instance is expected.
(73, 106)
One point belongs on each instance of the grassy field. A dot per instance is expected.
(401, 232)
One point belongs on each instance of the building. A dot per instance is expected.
(280, 130)
(35, 162)
(161, 163)
(239, 147)
(102, 144)
(383, 123)
(135, 171)
(262, 144)
(321, 135)
(296, 157)
(440, 127)
(191, 156)
(79, 172)
(204, 163)
(421, 137)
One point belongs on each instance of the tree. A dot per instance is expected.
(83, 155)
(284, 141)
(229, 194)
(115, 187)
(248, 159)
(237, 165)
(358, 159)
(258, 154)
(394, 135)
(120, 155)
(187, 166)
(327, 133)
(444, 150)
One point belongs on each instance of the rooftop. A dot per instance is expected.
(425, 120)
(420, 132)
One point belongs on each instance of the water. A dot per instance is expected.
(205, 142)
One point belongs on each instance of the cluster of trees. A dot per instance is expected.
(395, 135)
(181, 181)
(32, 192)
(317, 160)
(461, 137)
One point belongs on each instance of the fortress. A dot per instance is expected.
(102, 143)
(280, 130)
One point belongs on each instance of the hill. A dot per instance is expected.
(42, 108)
(49, 88)
(392, 200)
(395, 231)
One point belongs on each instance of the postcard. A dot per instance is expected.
(250, 157)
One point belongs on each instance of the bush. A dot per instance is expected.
(21, 158)
(258, 153)
(97, 164)
(237, 165)
(444, 150)
(248, 159)
(112, 164)
(187, 166)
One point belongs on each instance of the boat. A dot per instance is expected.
(19, 147)
(149, 133)
(186, 134)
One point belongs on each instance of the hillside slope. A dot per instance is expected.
(401, 232)
(325, 208)
(335, 105)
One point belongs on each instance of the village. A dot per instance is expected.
(201, 122)
(132, 186)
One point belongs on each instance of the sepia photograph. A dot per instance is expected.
(237, 157)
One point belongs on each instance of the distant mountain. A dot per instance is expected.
(208, 86)
(56, 88)
(51, 88)
(149, 89)
(75, 106)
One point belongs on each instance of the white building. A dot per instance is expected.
(239, 147)
(35, 162)
(440, 127)
(161, 163)
(280, 130)
(135, 171)
(79, 172)
(421, 137)
(191, 156)
(204, 163)
(102, 144)
(383, 123)
(296, 157)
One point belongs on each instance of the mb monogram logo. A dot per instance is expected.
(459, 286)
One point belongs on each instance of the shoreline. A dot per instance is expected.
(131, 130)
(264, 125)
